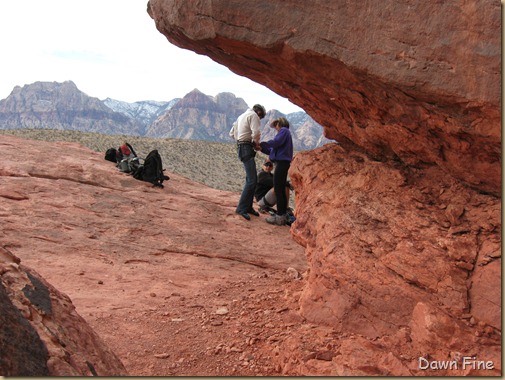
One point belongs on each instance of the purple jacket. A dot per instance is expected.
(280, 148)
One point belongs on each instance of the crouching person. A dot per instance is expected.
(265, 192)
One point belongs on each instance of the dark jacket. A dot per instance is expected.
(265, 183)
(281, 147)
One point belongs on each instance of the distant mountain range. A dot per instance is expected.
(196, 116)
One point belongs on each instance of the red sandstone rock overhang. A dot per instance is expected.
(412, 81)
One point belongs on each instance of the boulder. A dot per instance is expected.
(40, 332)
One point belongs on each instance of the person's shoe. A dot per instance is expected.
(253, 211)
(266, 210)
(278, 220)
(245, 215)
(290, 219)
(282, 220)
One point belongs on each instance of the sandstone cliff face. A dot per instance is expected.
(414, 81)
(389, 248)
(401, 219)
(60, 106)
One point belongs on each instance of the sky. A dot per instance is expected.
(110, 49)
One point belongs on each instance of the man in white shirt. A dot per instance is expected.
(246, 132)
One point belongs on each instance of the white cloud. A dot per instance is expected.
(109, 48)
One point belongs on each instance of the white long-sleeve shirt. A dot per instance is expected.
(247, 127)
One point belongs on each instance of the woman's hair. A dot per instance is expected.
(283, 122)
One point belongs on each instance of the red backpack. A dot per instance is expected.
(125, 150)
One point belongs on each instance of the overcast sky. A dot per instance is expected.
(110, 48)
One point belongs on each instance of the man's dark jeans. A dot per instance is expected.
(246, 154)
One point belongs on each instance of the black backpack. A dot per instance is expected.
(111, 154)
(152, 170)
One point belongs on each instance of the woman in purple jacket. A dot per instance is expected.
(280, 152)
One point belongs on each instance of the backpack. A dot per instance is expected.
(129, 165)
(133, 164)
(110, 155)
(152, 170)
(123, 166)
(124, 151)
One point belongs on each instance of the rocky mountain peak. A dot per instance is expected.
(197, 99)
(46, 96)
(230, 104)
(56, 105)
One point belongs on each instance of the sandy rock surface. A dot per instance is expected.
(172, 280)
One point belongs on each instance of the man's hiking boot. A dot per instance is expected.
(278, 220)
(253, 211)
(244, 215)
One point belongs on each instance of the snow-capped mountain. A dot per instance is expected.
(146, 111)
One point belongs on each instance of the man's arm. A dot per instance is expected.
(233, 133)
